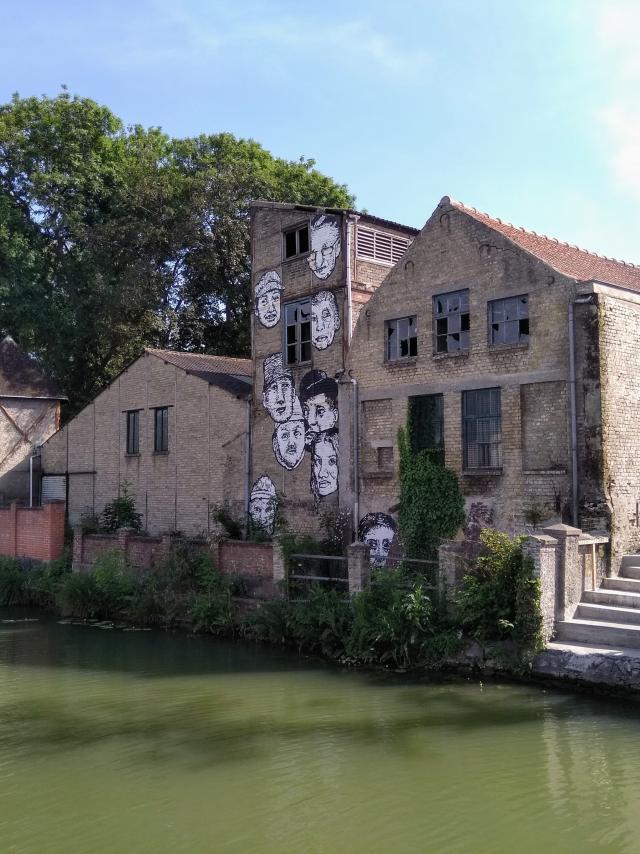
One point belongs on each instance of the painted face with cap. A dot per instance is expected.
(268, 292)
(262, 504)
(289, 439)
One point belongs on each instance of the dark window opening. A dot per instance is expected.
(451, 322)
(402, 339)
(509, 320)
(161, 430)
(425, 425)
(385, 459)
(296, 242)
(482, 428)
(298, 332)
(133, 432)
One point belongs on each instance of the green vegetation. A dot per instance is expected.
(121, 512)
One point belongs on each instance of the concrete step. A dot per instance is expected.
(607, 614)
(617, 598)
(630, 571)
(629, 560)
(629, 585)
(602, 634)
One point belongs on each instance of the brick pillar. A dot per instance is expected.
(279, 567)
(359, 565)
(542, 550)
(123, 535)
(13, 529)
(569, 569)
(77, 555)
(54, 528)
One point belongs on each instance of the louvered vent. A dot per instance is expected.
(379, 246)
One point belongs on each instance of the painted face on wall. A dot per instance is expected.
(324, 464)
(325, 245)
(262, 504)
(320, 413)
(268, 292)
(278, 396)
(378, 531)
(289, 440)
(325, 319)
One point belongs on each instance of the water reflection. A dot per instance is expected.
(152, 742)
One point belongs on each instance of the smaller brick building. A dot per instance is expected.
(29, 414)
(173, 427)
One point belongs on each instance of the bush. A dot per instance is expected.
(121, 512)
(499, 598)
(223, 515)
(13, 583)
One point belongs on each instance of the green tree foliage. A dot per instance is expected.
(113, 238)
(431, 504)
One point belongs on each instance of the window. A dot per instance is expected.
(297, 326)
(451, 322)
(133, 431)
(482, 430)
(161, 430)
(379, 246)
(425, 425)
(509, 320)
(296, 241)
(402, 338)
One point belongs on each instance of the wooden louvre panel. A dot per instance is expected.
(379, 246)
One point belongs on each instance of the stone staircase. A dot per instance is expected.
(610, 615)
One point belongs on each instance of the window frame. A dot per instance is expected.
(489, 451)
(399, 358)
(439, 316)
(521, 342)
(296, 229)
(161, 437)
(437, 425)
(299, 342)
(132, 417)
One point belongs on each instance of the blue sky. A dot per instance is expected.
(527, 110)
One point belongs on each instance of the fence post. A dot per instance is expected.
(359, 567)
(279, 567)
(568, 569)
(542, 550)
(13, 528)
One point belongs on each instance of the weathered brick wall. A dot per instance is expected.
(545, 428)
(36, 532)
(173, 491)
(252, 562)
(37, 420)
(456, 252)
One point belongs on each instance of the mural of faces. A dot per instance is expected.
(262, 504)
(268, 291)
(325, 245)
(278, 395)
(324, 464)
(377, 530)
(319, 398)
(289, 439)
(325, 319)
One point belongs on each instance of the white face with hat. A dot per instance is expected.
(279, 394)
(289, 439)
(262, 504)
(268, 292)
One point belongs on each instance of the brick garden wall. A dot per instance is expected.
(36, 532)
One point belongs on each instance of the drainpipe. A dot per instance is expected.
(31, 480)
(355, 437)
(573, 407)
(247, 467)
(350, 219)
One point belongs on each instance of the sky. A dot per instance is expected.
(527, 110)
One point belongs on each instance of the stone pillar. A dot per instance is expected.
(123, 535)
(78, 549)
(359, 567)
(568, 569)
(13, 528)
(279, 568)
(542, 550)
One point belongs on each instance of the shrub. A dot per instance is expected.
(223, 515)
(13, 586)
(78, 596)
(121, 512)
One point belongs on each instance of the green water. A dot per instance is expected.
(147, 742)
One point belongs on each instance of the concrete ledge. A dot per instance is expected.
(584, 663)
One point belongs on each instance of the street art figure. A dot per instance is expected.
(377, 530)
(278, 395)
(267, 305)
(325, 245)
(289, 439)
(262, 504)
(319, 398)
(324, 464)
(325, 319)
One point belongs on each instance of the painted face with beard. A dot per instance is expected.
(289, 439)
(262, 504)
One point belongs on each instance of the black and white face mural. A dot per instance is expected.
(267, 305)
(325, 319)
(278, 395)
(289, 439)
(324, 464)
(263, 503)
(319, 398)
(378, 531)
(325, 245)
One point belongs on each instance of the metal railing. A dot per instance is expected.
(306, 570)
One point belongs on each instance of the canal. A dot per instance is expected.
(117, 741)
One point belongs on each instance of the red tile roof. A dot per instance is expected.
(567, 259)
(203, 362)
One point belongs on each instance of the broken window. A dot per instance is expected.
(402, 338)
(297, 327)
(425, 425)
(451, 322)
(509, 320)
(482, 428)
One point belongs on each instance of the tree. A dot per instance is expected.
(114, 238)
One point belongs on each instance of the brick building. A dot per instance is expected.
(174, 427)
(29, 414)
(313, 271)
(520, 353)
